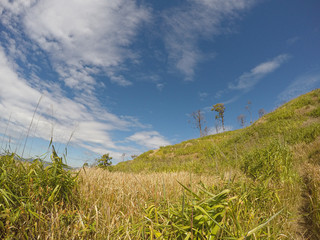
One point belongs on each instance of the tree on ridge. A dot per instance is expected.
(242, 120)
(220, 109)
(248, 107)
(198, 120)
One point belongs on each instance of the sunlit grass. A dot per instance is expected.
(261, 182)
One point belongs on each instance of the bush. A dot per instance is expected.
(104, 161)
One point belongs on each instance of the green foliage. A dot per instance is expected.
(315, 113)
(282, 114)
(312, 206)
(220, 109)
(305, 134)
(28, 192)
(258, 166)
(104, 161)
(273, 161)
(201, 215)
(264, 161)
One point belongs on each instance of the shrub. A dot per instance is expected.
(104, 161)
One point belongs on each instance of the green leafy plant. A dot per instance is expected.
(274, 161)
(29, 191)
(202, 215)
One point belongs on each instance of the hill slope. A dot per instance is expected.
(273, 164)
(261, 182)
(295, 124)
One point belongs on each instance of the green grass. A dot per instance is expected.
(260, 182)
(30, 191)
(202, 215)
(295, 122)
(273, 153)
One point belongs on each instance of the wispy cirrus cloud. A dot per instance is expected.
(249, 79)
(302, 84)
(200, 19)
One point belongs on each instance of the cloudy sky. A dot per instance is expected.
(123, 77)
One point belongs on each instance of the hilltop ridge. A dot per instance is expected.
(294, 123)
(272, 164)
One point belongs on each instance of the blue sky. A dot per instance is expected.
(124, 76)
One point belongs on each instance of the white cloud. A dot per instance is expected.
(302, 84)
(80, 37)
(249, 79)
(149, 139)
(203, 95)
(197, 19)
(89, 123)
(79, 40)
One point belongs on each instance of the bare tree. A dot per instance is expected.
(242, 120)
(248, 107)
(198, 120)
(261, 112)
(205, 132)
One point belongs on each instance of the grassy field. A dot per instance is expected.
(260, 182)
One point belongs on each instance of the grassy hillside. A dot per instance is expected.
(261, 182)
(271, 165)
(294, 124)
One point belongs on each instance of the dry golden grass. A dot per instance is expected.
(263, 180)
(117, 199)
(112, 200)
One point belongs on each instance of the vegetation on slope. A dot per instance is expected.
(294, 123)
(278, 156)
(261, 182)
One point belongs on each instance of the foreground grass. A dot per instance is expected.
(142, 206)
(33, 197)
(114, 205)
(261, 182)
(280, 149)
